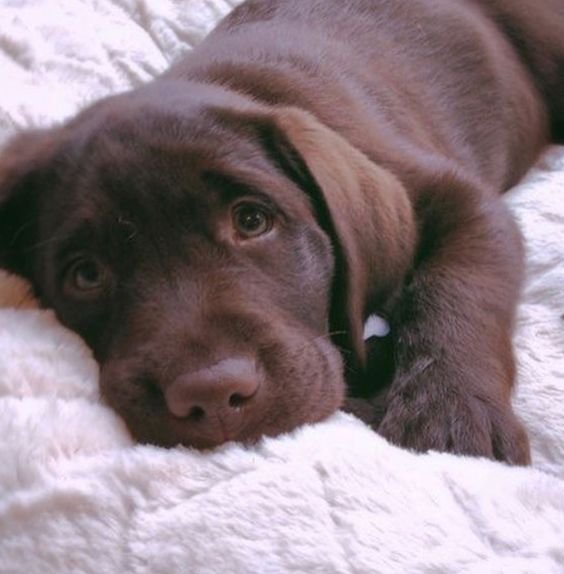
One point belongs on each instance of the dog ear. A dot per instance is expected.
(22, 176)
(363, 207)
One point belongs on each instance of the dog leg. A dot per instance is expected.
(452, 335)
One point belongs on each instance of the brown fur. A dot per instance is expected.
(377, 136)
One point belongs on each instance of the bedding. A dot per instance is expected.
(76, 495)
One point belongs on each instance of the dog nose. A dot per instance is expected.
(216, 391)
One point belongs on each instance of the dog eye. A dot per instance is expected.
(86, 277)
(251, 220)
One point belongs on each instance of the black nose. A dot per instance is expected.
(214, 393)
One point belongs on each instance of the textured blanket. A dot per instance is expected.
(77, 496)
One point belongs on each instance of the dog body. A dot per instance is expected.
(220, 235)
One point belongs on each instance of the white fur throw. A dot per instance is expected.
(77, 496)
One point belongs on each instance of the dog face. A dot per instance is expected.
(198, 250)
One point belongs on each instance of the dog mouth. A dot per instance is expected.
(152, 423)
(301, 389)
(205, 430)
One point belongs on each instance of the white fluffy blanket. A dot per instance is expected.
(76, 496)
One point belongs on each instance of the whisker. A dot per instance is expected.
(39, 244)
(21, 230)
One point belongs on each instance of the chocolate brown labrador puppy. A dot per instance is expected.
(220, 236)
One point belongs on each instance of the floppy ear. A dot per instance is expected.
(22, 174)
(362, 206)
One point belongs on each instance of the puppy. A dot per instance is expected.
(220, 235)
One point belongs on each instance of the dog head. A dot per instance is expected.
(218, 257)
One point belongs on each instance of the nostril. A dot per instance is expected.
(196, 414)
(237, 400)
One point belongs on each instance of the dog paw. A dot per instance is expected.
(455, 422)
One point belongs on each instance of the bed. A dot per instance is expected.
(78, 496)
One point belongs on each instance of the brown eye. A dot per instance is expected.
(251, 220)
(85, 278)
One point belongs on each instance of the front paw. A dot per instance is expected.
(454, 421)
